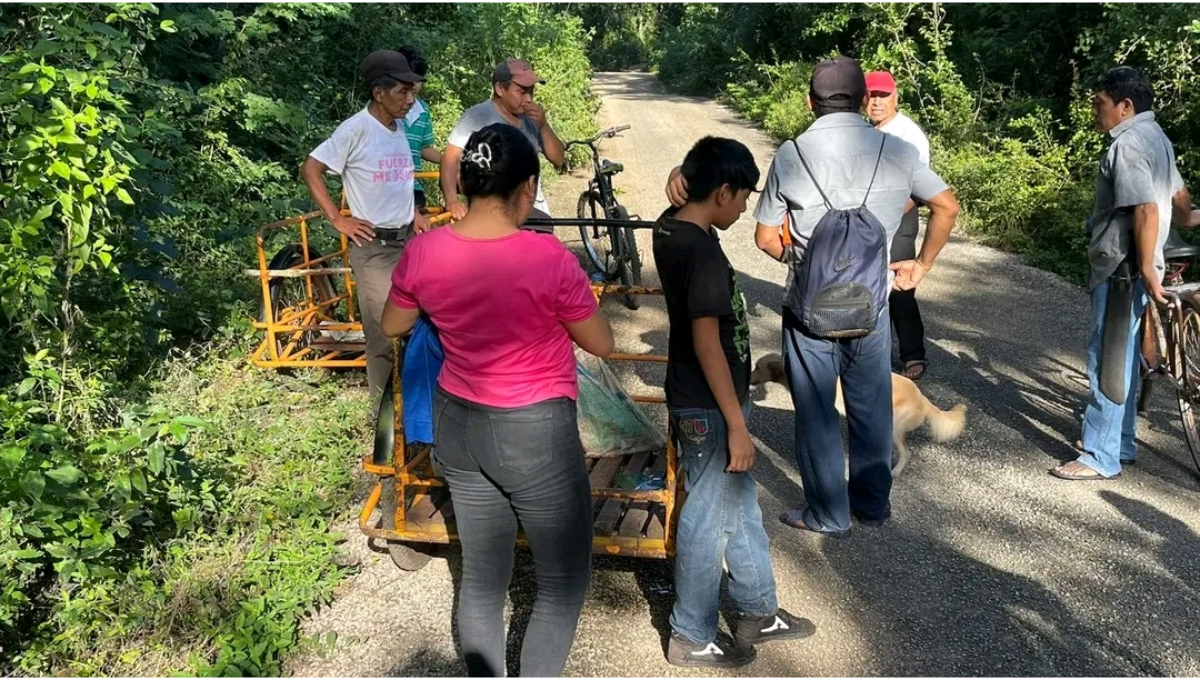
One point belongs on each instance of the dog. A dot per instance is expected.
(910, 408)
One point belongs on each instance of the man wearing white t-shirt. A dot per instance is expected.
(371, 153)
(906, 315)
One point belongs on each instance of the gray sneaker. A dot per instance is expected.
(720, 653)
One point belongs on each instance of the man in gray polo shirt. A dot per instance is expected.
(513, 84)
(842, 151)
(1138, 192)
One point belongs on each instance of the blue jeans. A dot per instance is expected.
(813, 366)
(1109, 429)
(720, 521)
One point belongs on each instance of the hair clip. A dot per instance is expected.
(481, 156)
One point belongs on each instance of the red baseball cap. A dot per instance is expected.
(881, 81)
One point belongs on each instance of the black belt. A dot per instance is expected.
(394, 234)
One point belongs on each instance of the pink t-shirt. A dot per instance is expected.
(499, 306)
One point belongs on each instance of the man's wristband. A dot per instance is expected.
(922, 265)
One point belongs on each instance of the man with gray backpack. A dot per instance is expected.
(841, 188)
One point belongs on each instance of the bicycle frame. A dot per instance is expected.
(601, 184)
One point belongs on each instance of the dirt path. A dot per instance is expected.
(989, 566)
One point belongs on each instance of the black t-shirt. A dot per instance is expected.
(697, 282)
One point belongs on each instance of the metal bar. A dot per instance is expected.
(313, 363)
(372, 502)
(671, 507)
(650, 400)
(297, 273)
(417, 460)
(587, 222)
(654, 358)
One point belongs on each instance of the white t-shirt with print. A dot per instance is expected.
(376, 167)
(905, 128)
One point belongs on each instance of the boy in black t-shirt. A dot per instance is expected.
(707, 389)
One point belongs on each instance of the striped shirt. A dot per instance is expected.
(418, 125)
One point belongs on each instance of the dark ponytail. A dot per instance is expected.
(497, 160)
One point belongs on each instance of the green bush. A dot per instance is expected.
(175, 542)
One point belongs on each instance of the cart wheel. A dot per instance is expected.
(403, 555)
(290, 293)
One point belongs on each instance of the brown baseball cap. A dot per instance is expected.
(518, 71)
(838, 82)
(389, 63)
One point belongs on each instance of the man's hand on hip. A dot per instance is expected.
(354, 228)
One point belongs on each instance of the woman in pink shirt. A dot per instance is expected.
(507, 304)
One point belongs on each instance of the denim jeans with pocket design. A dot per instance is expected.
(720, 524)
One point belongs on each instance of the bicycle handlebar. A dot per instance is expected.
(603, 134)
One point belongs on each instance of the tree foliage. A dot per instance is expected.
(1002, 88)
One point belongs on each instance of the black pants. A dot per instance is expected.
(505, 466)
(419, 198)
(906, 315)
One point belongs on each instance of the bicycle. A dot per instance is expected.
(1170, 351)
(618, 259)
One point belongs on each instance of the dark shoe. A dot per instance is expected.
(720, 653)
(795, 519)
(781, 626)
(873, 522)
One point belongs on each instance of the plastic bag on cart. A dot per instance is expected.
(610, 422)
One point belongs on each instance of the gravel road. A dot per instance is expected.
(989, 566)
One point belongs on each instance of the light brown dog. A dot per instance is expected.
(910, 408)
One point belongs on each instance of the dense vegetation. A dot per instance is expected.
(164, 506)
(1002, 90)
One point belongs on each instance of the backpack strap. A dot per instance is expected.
(878, 159)
(828, 205)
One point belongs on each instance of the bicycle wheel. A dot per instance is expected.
(1189, 396)
(629, 262)
(632, 255)
(595, 239)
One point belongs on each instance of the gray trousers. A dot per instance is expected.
(372, 265)
(508, 468)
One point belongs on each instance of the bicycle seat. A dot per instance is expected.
(607, 167)
(1177, 249)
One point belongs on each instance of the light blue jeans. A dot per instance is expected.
(1110, 429)
(720, 524)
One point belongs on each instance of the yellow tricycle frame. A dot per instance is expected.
(312, 331)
